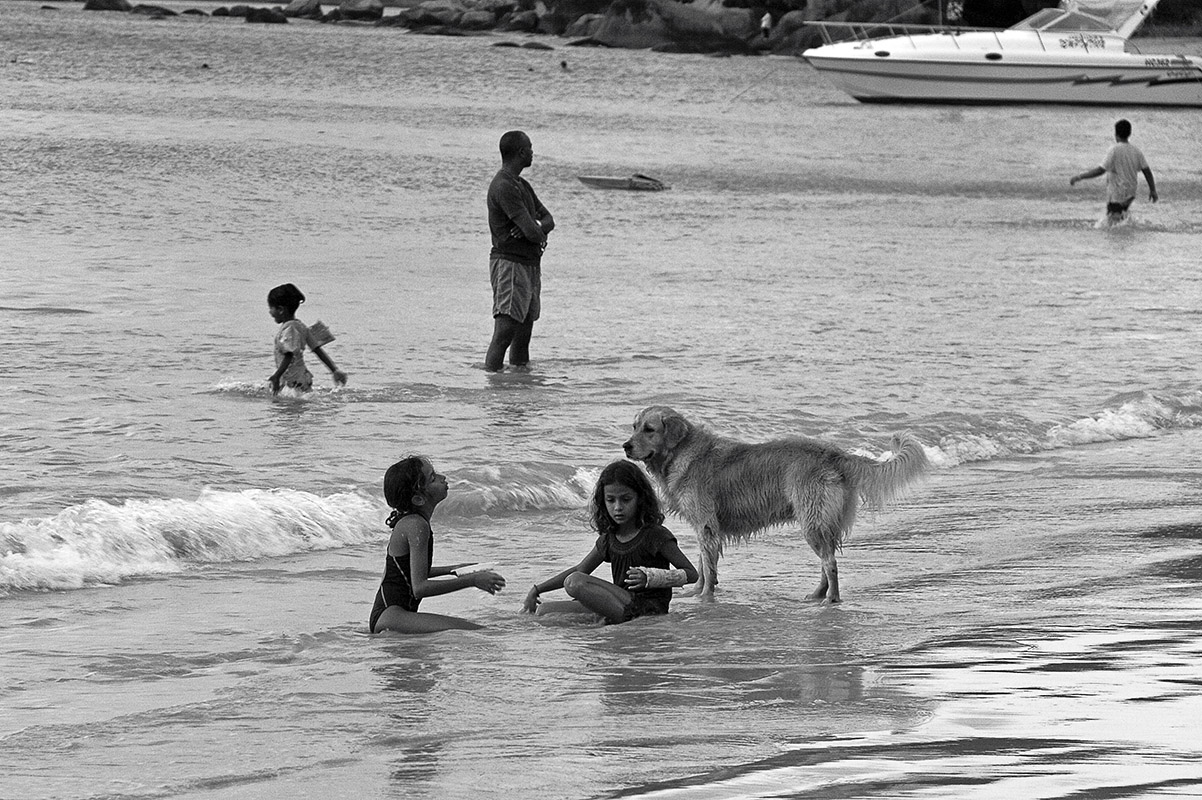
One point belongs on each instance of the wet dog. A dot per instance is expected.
(728, 490)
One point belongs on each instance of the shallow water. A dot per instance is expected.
(186, 564)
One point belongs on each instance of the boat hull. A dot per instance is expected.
(1131, 80)
(1021, 64)
(636, 183)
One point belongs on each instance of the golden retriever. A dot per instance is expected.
(728, 490)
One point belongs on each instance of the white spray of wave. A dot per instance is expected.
(99, 542)
(522, 489)
(1136, 416)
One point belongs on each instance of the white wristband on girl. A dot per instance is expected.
(660, 578)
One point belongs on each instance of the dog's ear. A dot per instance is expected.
(676, 428)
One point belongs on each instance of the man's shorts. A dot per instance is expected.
(516, 289)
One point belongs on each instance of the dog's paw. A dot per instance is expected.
(699, 591)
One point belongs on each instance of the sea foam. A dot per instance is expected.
(99, 542)
(1135, 415)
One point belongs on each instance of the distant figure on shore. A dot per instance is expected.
(413, 490)
(292, 338)
(519, 225)
(1121, 166)
(766, 24)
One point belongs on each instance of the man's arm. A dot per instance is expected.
(529, 226)
(511, 201)
(545, 220)
(1151, 184)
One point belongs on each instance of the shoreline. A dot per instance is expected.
(662, 26)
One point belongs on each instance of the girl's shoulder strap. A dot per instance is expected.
(422, 521)
(400, 534)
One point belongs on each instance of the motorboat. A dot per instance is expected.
(1078, 52)
(636, 182)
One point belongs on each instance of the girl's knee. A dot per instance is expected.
(574, 584)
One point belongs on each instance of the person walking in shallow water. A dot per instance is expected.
(1121, 166)
(291, 340)
(519, 224)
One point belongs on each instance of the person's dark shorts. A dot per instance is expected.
(643, 606)
(516, 289)
(1119, 208)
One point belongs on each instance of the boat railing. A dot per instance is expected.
(866, 32)
(835, 32)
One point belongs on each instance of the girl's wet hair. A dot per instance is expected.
(629, 474)
(286, 296)
(402, 481)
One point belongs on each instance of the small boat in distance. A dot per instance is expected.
(636, 182)
(1077, 53)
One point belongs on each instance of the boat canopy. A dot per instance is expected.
(1056, 20)
(1115, 12)
(1122, 16)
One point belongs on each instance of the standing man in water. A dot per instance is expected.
(519, 224)
(1121, 166)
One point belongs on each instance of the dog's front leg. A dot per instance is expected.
(708, 556)
(711, 551)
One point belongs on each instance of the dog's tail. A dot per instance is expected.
(877, 482)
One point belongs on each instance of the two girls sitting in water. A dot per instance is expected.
(646, 560)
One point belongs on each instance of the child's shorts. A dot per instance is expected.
(643, 606)
(1119, 208)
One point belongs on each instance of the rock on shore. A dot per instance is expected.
(697, 26)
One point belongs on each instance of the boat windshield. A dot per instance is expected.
(1055, 19)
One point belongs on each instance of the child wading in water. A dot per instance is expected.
(1121, 166)
(645, 557)
(290, 342)
(413, 490)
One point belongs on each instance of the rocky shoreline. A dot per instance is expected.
(697, 26)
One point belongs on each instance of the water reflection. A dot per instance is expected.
(711, 659)
(407, 685)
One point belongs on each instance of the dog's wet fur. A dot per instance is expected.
(728, 490)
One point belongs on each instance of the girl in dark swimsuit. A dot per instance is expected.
(644, 557)
(413, 490)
